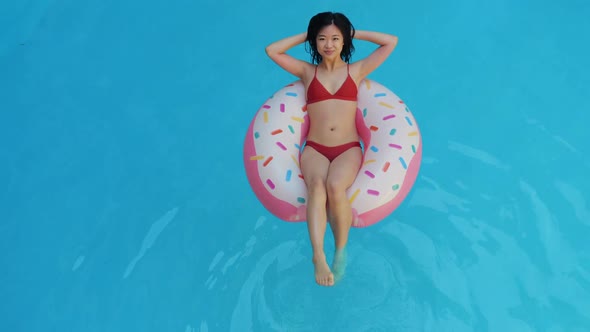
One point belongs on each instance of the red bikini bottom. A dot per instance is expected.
(331, 152)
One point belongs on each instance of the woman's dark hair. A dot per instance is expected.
(321, 20)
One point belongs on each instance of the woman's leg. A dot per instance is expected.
(341, 174)
(314, 167)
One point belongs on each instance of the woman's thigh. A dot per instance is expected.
(344, 169)
(314, 167)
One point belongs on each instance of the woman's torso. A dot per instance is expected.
(332, 120)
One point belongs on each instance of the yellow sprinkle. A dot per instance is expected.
(386, 105)
(295, 160)
(369, 161)
(368, 84)
(294, 118)
(413, 133)
(256, 157)
(354, 195)
(265, 114)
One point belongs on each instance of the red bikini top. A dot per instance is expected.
(317, 92)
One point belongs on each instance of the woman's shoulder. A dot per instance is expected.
(308, 71)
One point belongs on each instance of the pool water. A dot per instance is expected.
(125, 204)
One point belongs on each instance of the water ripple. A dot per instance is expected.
(78, 263)
(576, 199)
(436, 198)
(477, 154)
(243, 312)
(150, 238)
(550, 236)
(215, 260)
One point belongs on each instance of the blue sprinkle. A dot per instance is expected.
(256, 135)
(413, 148)
(409, 121)
(302, 146)
(401, 160)
(407, 109)
(288, 176)
(292, 94)
(364, 113)
(374, 148)
(301, 200)
(380, 94)
(392, 132)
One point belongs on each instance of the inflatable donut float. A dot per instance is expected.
(391, 156)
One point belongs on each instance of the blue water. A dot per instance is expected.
(125, 205)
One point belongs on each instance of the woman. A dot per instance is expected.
(332, 154)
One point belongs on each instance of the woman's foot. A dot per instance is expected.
(339, 264)
(323, 275)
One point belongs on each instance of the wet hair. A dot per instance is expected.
(321, 20)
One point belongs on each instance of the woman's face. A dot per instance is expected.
(330, 42)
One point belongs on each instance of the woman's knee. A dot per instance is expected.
(316, 187)
(335, 189)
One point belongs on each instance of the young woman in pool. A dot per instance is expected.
(332, 154)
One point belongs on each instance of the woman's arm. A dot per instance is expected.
(386, 44)
(277, 52)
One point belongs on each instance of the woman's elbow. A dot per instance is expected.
(393, 40)
(270, 50)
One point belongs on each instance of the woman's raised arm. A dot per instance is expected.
(277, 52)
(386, 44)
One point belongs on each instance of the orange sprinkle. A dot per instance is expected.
(304, 108)
(386, 167)
(301, 176)
(267, 161)
(276, 132)
(373, 128)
